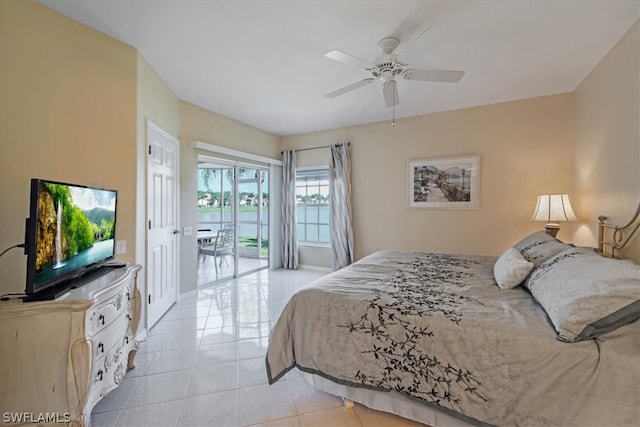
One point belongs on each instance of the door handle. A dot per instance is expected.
(176, 231)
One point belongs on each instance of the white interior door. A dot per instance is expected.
(162, 225)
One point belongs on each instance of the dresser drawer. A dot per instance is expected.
(112, 334)
(110, 355)
(108, 372)
(106, 362)
(103, 314)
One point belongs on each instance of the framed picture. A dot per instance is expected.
(444, 183)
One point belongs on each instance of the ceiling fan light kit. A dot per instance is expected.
(386, 68)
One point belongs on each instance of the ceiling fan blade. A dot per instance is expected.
(446, 76)
(349, 88)
(390, 92)
(407, 46)
(347, 58)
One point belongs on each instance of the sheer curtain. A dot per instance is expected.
(288, 220)
(340, 206)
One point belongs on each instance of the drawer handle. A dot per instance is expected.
(128, 296)
(126, 339)
(129, 317)
(101, 347)
(101, 319)
(100, 374)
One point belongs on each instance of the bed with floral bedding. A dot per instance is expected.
(544, 335)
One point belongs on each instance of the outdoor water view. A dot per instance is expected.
(312, 205)
(215, 206)
(312, 215)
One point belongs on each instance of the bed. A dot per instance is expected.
(544, 335)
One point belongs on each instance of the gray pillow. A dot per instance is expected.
(586, 295)
(537, 248)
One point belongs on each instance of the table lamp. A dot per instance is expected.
(552, 208)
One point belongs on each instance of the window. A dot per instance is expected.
(312, 205)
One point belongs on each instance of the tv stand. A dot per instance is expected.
(72, 283)
(62, 356)
(48, 294)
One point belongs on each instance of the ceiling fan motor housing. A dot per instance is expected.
(387, 67)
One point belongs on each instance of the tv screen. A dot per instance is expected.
(71, 230)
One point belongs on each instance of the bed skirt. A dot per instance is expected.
(392, 402)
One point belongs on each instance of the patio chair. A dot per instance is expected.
(221, 247)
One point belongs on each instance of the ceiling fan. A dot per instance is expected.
(387, 68)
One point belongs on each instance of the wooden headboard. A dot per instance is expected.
(612, 239)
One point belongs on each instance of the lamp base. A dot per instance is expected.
(552, 229)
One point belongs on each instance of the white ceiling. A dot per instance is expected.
(262, 62)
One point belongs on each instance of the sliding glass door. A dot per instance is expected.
(233, 200)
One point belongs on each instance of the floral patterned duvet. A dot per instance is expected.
(436, 328)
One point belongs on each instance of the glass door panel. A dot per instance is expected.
(215, 212)
(253, 219)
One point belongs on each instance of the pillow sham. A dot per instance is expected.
(511, 269)
(586, 295)
(539, 247)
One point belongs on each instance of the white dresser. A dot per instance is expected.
(59, 358)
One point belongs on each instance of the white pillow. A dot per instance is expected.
(511, 269)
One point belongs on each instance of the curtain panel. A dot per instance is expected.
(340, 206)
(288, 220)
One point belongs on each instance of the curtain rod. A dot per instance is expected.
(317, 148)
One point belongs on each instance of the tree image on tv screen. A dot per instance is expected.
(65, 229)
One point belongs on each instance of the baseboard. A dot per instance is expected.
(142, 335)
(315, 268)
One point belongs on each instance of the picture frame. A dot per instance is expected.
(444, 182)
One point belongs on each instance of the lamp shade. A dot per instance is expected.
(553, 207)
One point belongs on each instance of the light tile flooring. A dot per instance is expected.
(203, 365)
(207, 272)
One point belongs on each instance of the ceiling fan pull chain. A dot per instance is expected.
(393, 121)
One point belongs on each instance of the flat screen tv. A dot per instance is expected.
(70, 233)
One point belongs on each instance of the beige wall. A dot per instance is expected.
(67, 113)
(156, 101)
(607, 142)
(198, 124)
(525, 148)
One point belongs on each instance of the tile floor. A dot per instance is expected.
(203, 365)
(207, 267)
